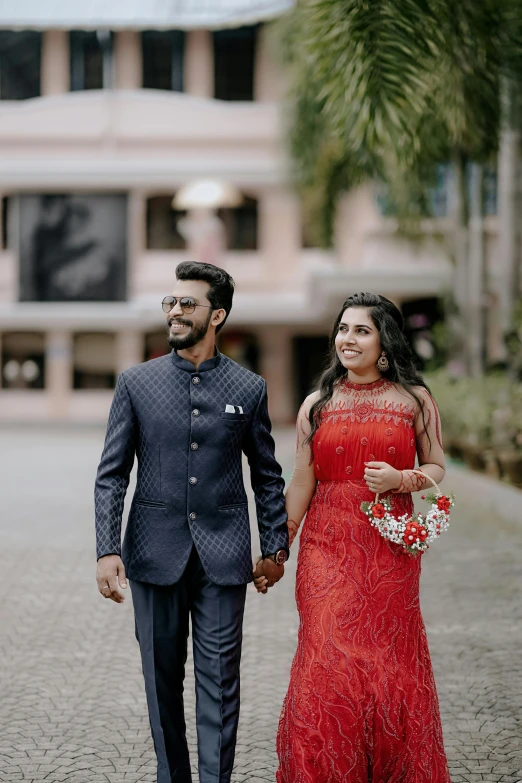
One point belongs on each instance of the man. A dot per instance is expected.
(188, 416)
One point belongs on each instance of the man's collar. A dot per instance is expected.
(183, 364)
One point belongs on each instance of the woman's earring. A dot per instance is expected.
(382, 363)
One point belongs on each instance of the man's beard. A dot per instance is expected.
(196, 334)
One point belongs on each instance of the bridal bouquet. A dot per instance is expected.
(413, 532)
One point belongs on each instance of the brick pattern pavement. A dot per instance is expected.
(72, 705)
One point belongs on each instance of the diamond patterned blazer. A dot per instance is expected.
(188, 442)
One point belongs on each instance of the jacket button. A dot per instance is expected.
(192, 516)
(195, 412)
(196, 379)
(194, 446)
(193, 480)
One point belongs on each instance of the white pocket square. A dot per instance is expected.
(233, 409)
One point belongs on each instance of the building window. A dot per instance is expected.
(20, 55)
(242, 347)
(73, 247)
(423, 319)
(94, 361)
(234, 58)
(309, 353)
(156, 345)
(23, 360)
(91, 59)
(162, 224)
(241, 225)
(163, 55)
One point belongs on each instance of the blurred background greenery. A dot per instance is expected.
(401, 93)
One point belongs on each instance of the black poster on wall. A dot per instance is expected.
(73, 248)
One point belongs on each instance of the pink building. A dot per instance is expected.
(105, 111)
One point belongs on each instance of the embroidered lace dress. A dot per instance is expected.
(361, 705)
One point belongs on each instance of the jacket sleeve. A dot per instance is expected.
(114, 470)
(267, 482)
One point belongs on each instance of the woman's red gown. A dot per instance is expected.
(361, 705)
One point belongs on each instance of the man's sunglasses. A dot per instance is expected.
(187, 303)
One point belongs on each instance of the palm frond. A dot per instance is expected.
(392, 88)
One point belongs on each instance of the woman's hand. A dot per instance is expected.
(381, 477)
(260, 580)
(261, 584)
(293, 529)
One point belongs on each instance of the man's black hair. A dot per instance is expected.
(221, 284)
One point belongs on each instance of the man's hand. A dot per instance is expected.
(266, 574)
(110, 575)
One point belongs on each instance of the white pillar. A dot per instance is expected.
(280, 233)
(129, 349)
(269, 77)
(476, 275)
(509, 199)
(128, 60)
(55, 78)
(137, 238)
(199, 64)
(58, 372)
(356, 217)
(275, 345)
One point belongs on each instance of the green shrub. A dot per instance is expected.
(485, 412)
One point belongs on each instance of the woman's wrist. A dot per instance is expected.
(400, 482)
(293, 528)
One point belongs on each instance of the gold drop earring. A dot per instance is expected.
(383, 363)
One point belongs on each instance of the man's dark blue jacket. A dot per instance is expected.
(190, 487)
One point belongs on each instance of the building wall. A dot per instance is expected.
(146, 143)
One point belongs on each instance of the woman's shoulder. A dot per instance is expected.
(418, 395)
(309, 401)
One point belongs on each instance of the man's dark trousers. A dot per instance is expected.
(189, 429)
(162, 626)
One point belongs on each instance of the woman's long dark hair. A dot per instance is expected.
(403, 369)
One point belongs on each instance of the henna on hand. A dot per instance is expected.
(293, 529)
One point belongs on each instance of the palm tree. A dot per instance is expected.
(390, 89)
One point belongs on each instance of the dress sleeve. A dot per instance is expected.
(303, 482)
(430, 453)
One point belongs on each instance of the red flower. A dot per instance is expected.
(423, 534)
(412, 532)
(378, 510)
(444, 504)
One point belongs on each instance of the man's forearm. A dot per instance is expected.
(114, 471)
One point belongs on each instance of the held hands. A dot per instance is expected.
(110, 575)
(381, 477)
(266, 574)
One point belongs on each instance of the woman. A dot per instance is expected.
(361, 706)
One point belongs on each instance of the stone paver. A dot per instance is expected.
(72, 706)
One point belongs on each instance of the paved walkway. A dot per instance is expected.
(72, 706)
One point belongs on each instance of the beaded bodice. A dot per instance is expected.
(364, 423)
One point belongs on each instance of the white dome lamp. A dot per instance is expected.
(207, 194)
